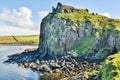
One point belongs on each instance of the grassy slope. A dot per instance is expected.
(111, 68)
(30, 39)
(99, 21)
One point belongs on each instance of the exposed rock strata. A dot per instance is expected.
(58, 36)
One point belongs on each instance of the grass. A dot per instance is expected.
(85, 44)
(111, 68)
(99, 21)
(30, 39)
(4, 39)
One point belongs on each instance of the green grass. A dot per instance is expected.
(99, 21)
(30, 39)
(111, 68)
(85, 44)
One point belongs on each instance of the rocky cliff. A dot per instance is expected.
(60, 34)
(73, 43)
(68, 29)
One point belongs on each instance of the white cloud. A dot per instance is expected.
(42, 14)
(106, 14)
(19, 18)
(19, 21)
(12, 30)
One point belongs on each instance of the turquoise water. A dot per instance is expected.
(12, 71)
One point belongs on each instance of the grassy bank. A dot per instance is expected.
(111, 68)
(100, 22)
(19, 40)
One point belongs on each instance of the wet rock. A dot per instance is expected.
(66, 70)
(37, 61)
(32, 64)
(74, 54)
(62, 63)
(80, 76)
(26, 65)
(54, 65)
(45, 68)
(57, 70)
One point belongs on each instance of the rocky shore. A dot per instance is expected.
(68, 66)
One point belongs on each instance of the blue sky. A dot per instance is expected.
(22, 17)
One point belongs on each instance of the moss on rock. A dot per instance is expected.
(85, 45)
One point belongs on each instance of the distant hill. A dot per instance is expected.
(19, 40)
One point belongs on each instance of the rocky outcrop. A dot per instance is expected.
(67, 45)
(59, 35)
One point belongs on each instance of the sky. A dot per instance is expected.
(23, 17)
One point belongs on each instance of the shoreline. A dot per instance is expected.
(16, 44)
(67, 66)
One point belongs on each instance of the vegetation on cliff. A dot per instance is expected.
(102, 26)
(111, 68)
(98, 21)
(86, 43)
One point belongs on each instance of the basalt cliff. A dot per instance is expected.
(68, 29)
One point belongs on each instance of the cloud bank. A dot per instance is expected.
(20, 18)
(19, 22)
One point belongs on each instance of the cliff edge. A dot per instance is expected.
(67, 29)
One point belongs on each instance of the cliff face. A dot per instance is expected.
(59, 35)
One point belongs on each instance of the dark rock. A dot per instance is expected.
(54, 65)
(57, 70)
(45, 68)
(80, 76)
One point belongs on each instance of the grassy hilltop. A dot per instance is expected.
(99, 21)
(21, 40)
